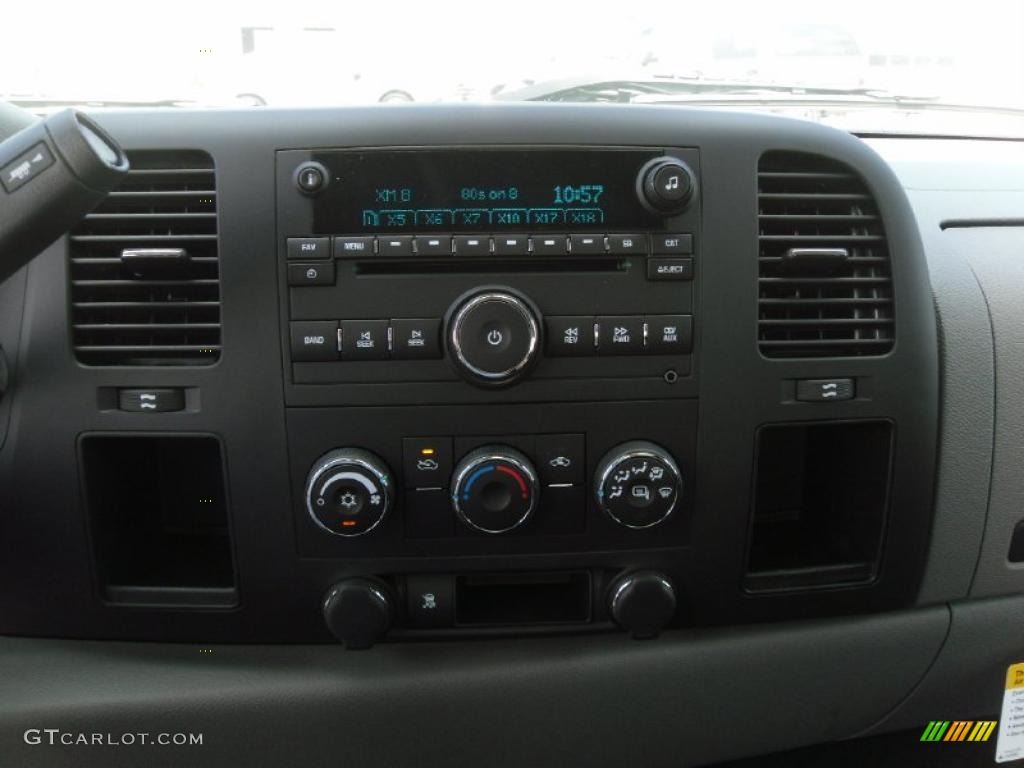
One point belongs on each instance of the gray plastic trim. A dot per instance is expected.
(685, 699)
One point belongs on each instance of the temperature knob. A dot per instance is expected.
(494, 489)
(665, 186)
(349, 491)
(638, 484)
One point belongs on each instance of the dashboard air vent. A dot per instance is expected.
(145, 278)
(825, 286)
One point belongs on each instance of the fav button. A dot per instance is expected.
(309, 247)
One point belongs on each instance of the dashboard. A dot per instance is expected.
(442, 398)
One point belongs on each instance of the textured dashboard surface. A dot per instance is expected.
(686, 699)
(978, 279)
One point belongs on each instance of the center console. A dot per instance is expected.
(559, 282)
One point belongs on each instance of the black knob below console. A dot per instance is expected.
(494, 489)
(665, 186)
(638, 484)
(349, 491)
(493, 337)
(358, 611)
(642, 603)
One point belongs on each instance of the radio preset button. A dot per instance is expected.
(622, 335)
(586, 244)
(311, 274)
(511, 245)
(472, 245)
(550, 245)
(415, 339)
(570, 336)
(364, 339)
(627, 244)
(309, 247)
(395, 245)
(670, 334)
(672, 243)
(433, 245)
(353, 247)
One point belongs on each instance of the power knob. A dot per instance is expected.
(665, 186)
(493, 337)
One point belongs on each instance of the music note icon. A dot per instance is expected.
(673, 183)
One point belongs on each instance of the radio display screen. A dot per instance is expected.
(482, 190)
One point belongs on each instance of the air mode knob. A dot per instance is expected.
(665, 186)
(349, 492)
(494, 489)
(638, 484)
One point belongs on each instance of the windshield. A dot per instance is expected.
(874, 65)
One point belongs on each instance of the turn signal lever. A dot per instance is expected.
(52, 173)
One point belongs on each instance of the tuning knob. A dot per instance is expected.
(637, 484)
(665, 186)
(493, 338)
(358, 612)
(494, 489)
(349, 492)
(642, 603)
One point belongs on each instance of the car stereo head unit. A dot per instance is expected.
(483, 190)
(450, 271)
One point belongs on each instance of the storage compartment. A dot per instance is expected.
(820, 501)
(493, 599)
(158, 519)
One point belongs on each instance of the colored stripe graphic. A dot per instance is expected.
(958, 731)
(935, 730)
(982, 730)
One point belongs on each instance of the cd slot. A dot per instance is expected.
(478, 265)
